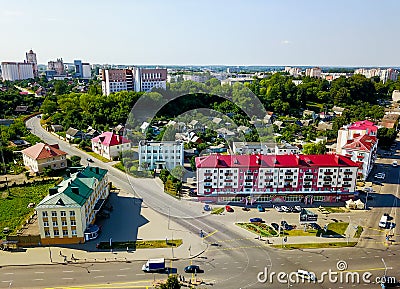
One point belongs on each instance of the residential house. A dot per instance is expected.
(285, 148)
(359, 128)
(390, 121)
(41, 156)
(73, 133)
(310, 113)
(110, 145)
(22, 109)
(243, 129)
(56, 128)
(337, 110)
(67, 214)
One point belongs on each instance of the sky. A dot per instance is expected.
(203, 32)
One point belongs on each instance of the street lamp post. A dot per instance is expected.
(348, 234)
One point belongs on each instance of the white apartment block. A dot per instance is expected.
(314, 72)
(136, 79)
(17, 70)
(66, 214)
(159, 155)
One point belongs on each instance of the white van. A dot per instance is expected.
(394, 164)
(305, 275)
(383, 222)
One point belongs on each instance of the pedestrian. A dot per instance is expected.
(60, 253)
(72, 257)
(183, 278)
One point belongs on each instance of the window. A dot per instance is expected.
(63, 213)
(74, 233)
(73, 223)
(54, 213)
(64, 223)
(65, 232)
(72, 213)
(44, 213)
(47, 233)
(56, 233)
(45, 224)
(55, 224)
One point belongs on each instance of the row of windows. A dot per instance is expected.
(55, 223)
(57, 233)
(62, 213)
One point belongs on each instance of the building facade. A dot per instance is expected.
(110, 145)
(82, 70)
(359, 128)
(362, 150)
(136, 79)
(314, 72)
(67, 213)
(41, 156)
(160, 155)
(31, 58)
(57, 66)
(17, 70)
(275, 178)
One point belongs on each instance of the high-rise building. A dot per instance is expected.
(137, 79)
(31, 58)
(57, 66)
(314, 72)
(17, 70)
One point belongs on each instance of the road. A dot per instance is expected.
(234, 261)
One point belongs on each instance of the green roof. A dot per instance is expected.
(84, 182)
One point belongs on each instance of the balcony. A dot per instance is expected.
(228, 174)
(207, 174)
(228, 180)
(306, 186)
(327, 184)
(346, 185)
(269, 173)
(288, 173)
(248, 186)
(347, 172)
(207, 179)
(308, 173)
(328, 179)
(328, 173)
(347, 179)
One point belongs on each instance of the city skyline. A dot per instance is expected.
(359, 33)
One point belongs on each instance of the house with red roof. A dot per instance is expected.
(41, 155)
(362, 150)
(110, 145)
(276, 178)
(351, 143)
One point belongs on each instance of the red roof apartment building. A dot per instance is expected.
(275, 178)
(41, 155)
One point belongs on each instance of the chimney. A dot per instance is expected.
(75, 190)
(118, 140)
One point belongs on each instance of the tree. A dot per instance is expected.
(75, 161)
(178, 172)
(314, 148)
(172, 283)
(164, 175)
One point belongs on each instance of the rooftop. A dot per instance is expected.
(43, 151)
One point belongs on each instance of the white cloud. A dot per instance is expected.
(286, 42)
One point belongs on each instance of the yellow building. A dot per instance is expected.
(67, 214)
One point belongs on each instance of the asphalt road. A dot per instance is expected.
(234, 261)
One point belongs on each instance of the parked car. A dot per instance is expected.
(256, 220)
(315, 226)
(394, 164)
(192, 269)
(260, 208)
(275, 226)
(228, 209)
(380, 176)
(296, 209)
(285, 209)
(278, 208)
(245, 209)
(207, 207)
(89, 160)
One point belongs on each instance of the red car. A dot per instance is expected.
(228, 209)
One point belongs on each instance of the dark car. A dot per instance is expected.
(315, 226)
(89, 160)
(228, 209)
(256, 220)
(246, 209)
(192, 269)
(275, 226)
(377, 183)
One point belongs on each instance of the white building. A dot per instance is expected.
(66, 215)
(159, 155)
(136, 79)
(17, 70)
(362, 150)
(31, 58)
(314, 72)
(349, 132)
(248, 148)
(110, 145)
(86, 70)
(41, 156)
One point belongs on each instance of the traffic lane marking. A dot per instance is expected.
(109, 285)
(237, 248)
(209, 235)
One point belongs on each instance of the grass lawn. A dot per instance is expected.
(14, 205)
(316, 245)
(133, 245)
(300, 232)
(336, 228)
(133, 171)
(258, 228)
(217, 211)
(99, 157)
(336, 210)
(358, 232)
